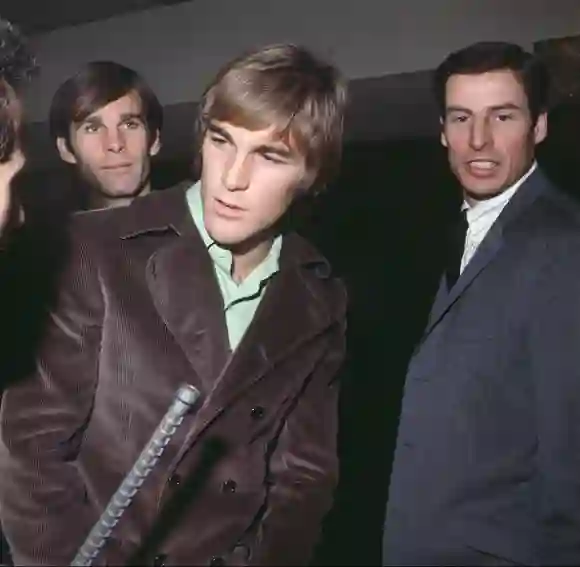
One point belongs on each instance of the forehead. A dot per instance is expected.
(129, 104)
(494, 88)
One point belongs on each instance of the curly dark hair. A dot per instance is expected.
(17, 65)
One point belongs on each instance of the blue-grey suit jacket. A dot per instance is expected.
(487, 465)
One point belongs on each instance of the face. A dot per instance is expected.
(489, 132)
(248, 181)
(112, 149)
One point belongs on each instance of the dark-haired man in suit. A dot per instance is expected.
(487, 465)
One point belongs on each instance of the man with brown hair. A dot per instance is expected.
(195, 284)
(106, 122)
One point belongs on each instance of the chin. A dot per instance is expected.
(234, 233)
(481, 186)
(226, 238)
(119, 193)
(482, 193)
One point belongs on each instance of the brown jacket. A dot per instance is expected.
(248, 476)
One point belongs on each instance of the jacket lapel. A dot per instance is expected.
(291, 313)
(186, 295)
(286, 318)
(491, 246)
(486, 252)
(181, 280)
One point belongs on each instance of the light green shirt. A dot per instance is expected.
(241, 300)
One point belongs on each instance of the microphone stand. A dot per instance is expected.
(183, 401)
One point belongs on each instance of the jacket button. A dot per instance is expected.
(159, 560)
(174, 480)
(217, 561)
(258, 412)
(229, 486)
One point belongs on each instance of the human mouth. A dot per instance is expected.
(482, 167)
(228, 210)
(119, 168)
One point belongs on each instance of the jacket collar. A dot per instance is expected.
(168, 211)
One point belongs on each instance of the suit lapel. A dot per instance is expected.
(486, 252)
(493, 243)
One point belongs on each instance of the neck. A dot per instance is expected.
(244, 262)
(99, 200)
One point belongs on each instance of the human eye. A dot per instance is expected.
(458, 118)
(132, 124)
(275, 154)
(505, 116)
(90, 127)
(216, 137)
(272, 157)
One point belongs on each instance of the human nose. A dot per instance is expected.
(115, 140)
(479, 135)
(236, 176)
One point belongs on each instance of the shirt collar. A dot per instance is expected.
(194, 202)
(482, 208)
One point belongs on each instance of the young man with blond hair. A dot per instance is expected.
(195, 284)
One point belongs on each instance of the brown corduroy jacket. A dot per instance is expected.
(249, 475)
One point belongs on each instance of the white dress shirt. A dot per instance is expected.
(482, 215)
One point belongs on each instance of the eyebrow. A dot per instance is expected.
(132, 116)
(123, 118)
(494, 108)
(279, 148)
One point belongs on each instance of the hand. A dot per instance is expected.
(7, 172)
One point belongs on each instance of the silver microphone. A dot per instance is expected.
(183, 401)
